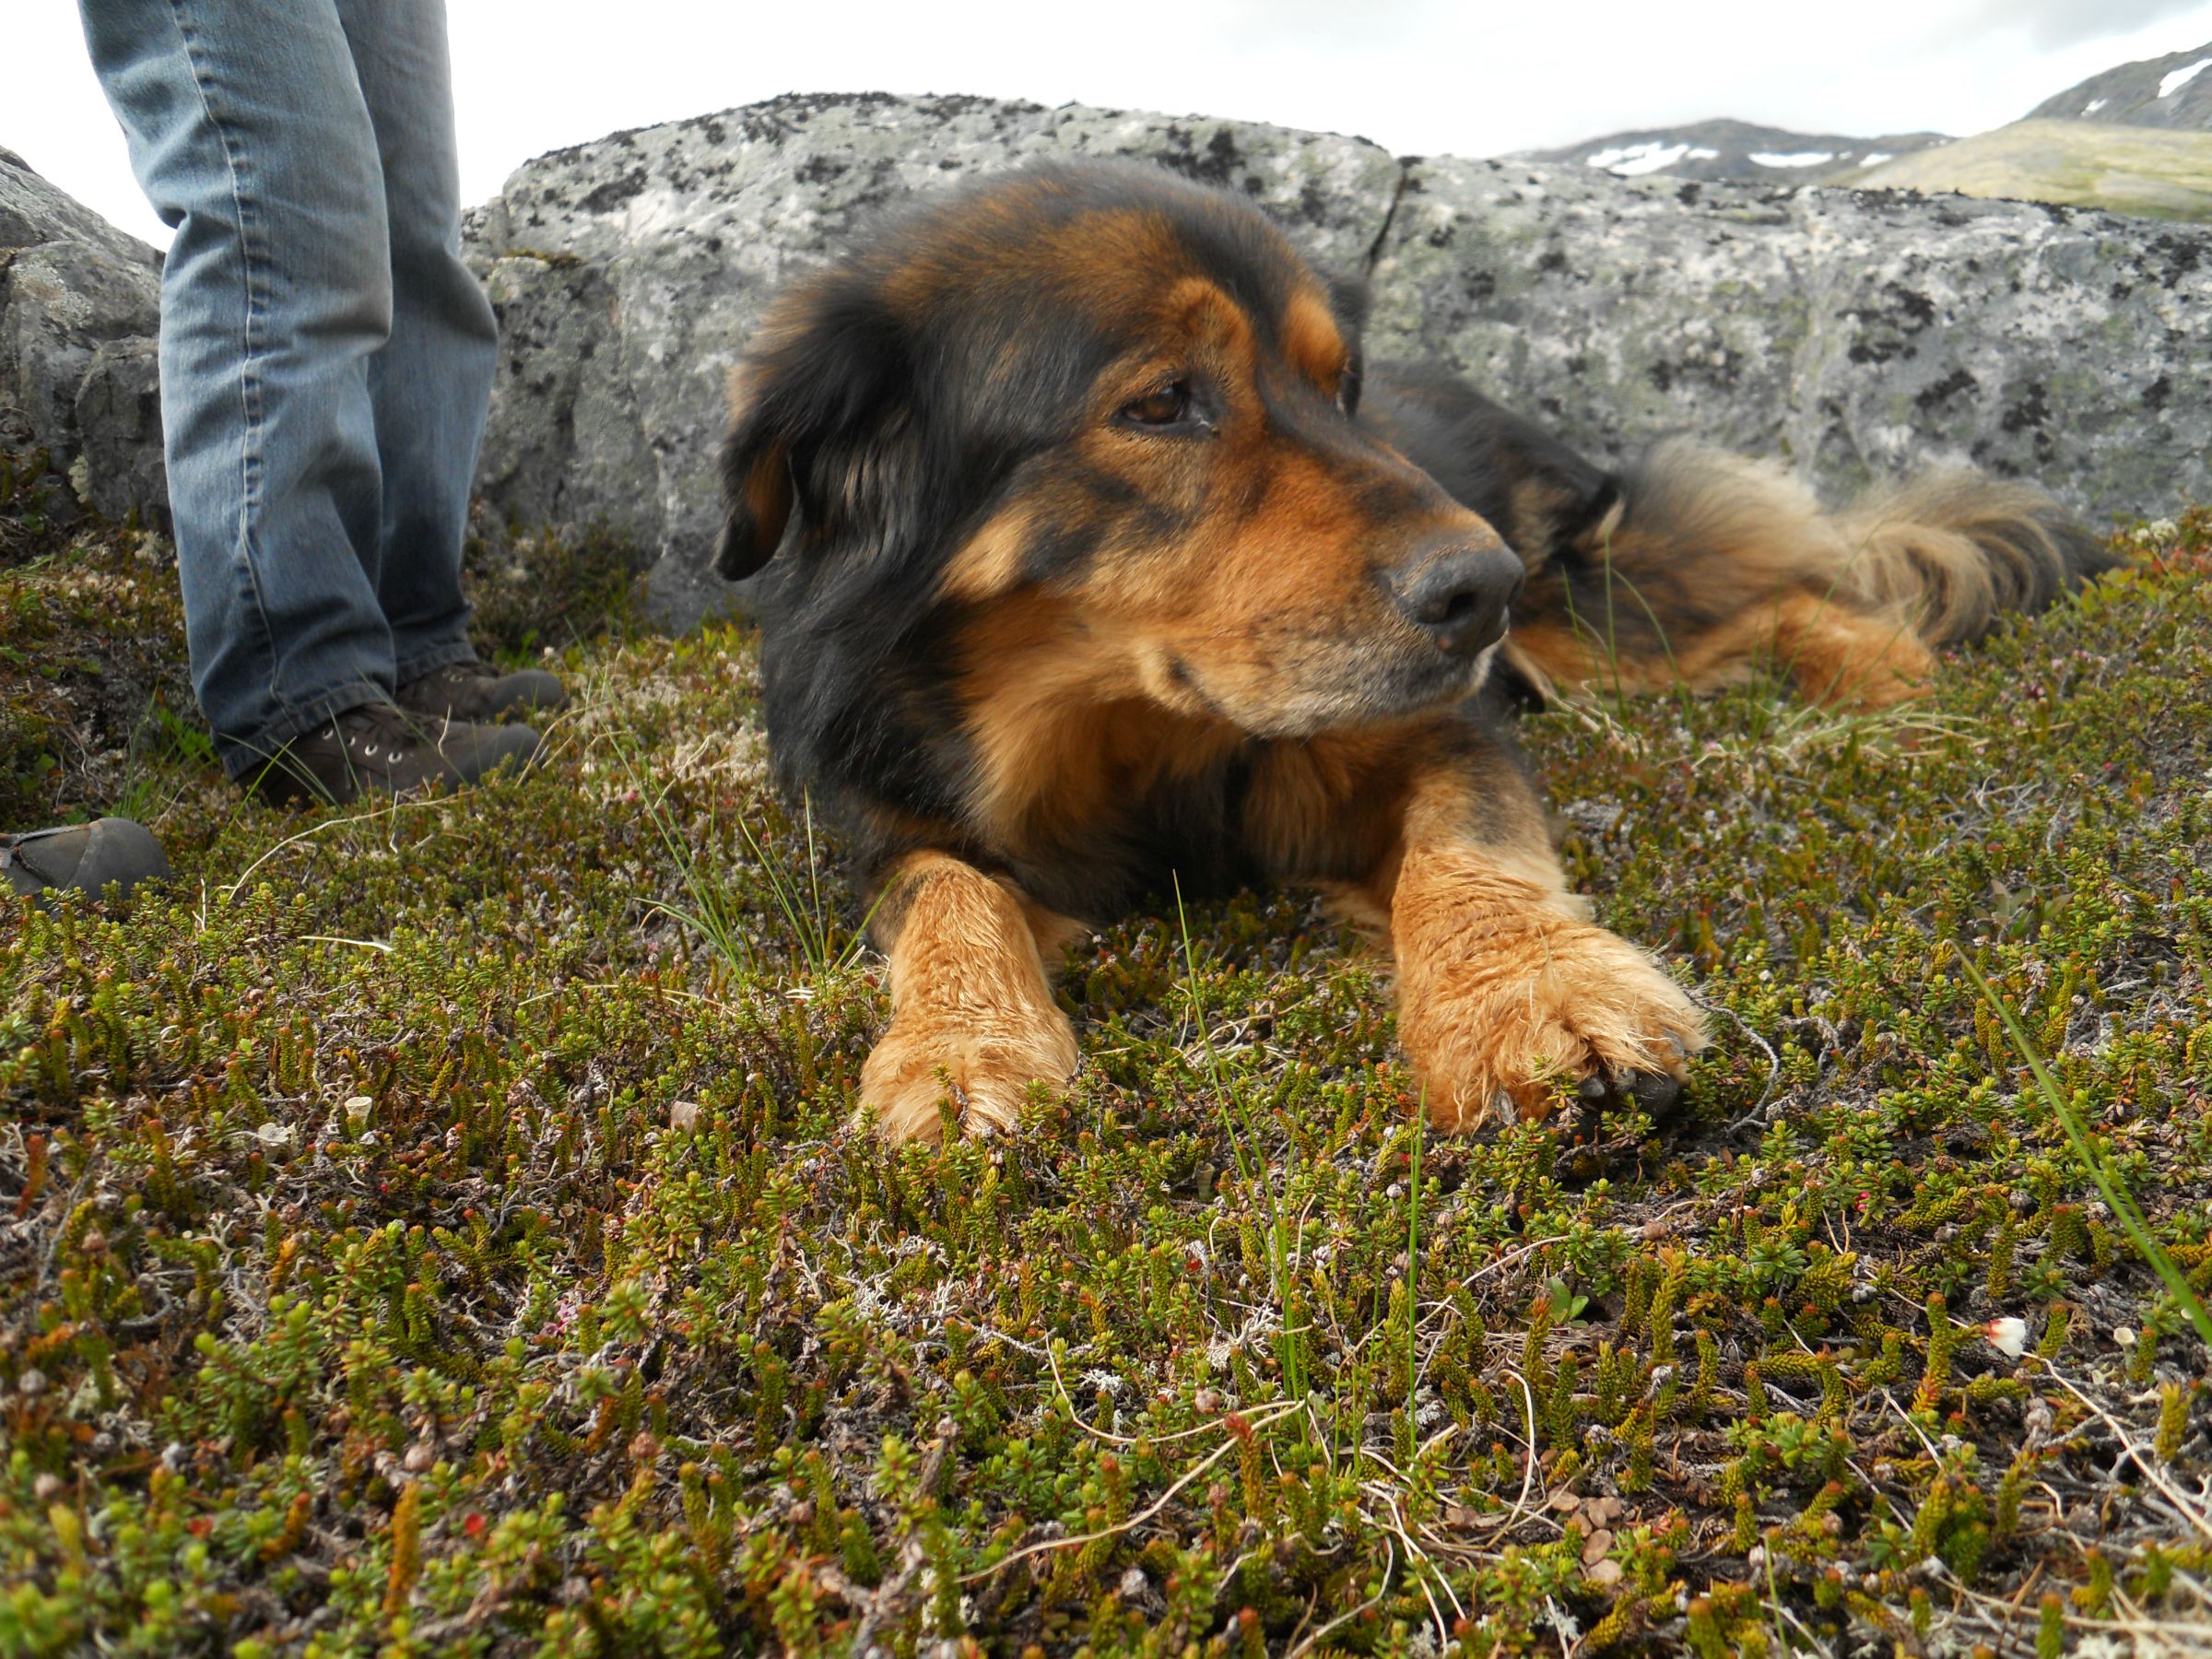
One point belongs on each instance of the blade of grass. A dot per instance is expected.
(810, 921)
(708, 914)
(2092, 1158)
(1413, 1257)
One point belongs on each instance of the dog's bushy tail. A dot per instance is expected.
(1705, 563)
(1955, 549)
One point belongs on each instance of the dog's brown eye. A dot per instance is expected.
(1169, 405)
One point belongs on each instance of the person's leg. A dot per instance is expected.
(431, 385)
(249, 133)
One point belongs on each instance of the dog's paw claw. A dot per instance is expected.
(1582, 1011)
(918, 1065)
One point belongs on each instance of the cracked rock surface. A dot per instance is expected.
(80, 305)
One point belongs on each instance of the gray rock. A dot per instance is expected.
(80, 307)
(120, 469)
(1851, 333)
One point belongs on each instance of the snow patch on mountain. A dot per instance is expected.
(1632, 161)
(1723, 150)
(2173, 83)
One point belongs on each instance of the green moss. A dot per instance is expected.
(95, 704)
(414, 1240)
(536, 592)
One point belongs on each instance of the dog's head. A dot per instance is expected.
(1121, 407)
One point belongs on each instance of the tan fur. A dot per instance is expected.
(1857, 659)
(1062, 724)
(1951, 550)
(972, 1016)
(1311, 341)
(1534, 506)
(1833, 652)
(1334, 803)
(1505, 987)
(1848, 604)
(989, 562)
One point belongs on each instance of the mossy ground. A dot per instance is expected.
(413, 1239)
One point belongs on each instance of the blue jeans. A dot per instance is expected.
(327, 358)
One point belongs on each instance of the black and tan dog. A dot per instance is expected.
(1097, 553)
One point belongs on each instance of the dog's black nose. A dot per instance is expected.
(1458, 593)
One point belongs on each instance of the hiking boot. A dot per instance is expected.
(83, 856)
(381, 747)
(478, 692)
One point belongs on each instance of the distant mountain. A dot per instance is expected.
(1739, 151)
(2170, 91)
(2140, 170)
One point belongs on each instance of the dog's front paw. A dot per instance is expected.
(984, 1066)
(1496, 1032)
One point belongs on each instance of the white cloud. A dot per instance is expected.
(2072, 22)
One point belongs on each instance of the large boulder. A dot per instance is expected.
(1850, 333)
(80, 308)
(629, 273)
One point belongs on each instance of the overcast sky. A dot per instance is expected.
(1415, 76)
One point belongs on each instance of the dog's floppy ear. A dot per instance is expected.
(756, 494)
(826, 431)
(1347, 299)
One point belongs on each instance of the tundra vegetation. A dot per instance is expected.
(437, 1227)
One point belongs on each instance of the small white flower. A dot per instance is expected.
(2008, 1335)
